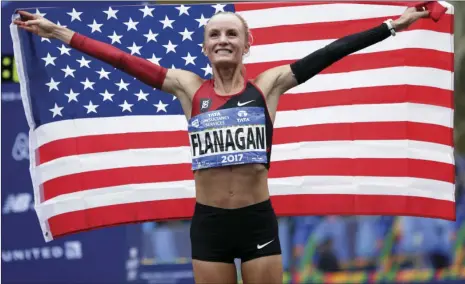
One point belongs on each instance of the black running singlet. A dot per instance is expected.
(229, 130)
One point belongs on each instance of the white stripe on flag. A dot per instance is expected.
(108, 125)
(400, 186)
(411, 39)
(366, 113)
(383, 149)
(419, 76)
(296, 15)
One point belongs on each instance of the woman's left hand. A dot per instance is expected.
(410, 16)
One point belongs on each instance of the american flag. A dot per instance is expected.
(371, 134)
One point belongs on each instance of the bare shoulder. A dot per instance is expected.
(276, 81)
(182, 83)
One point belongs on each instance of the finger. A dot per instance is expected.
(26, 15)
(425, 14)
(33, 22)
(422, 14)
(18, 22)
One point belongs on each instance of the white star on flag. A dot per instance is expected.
(107, 95)
(161, 106)
(56, 110)
(122, 85)
(52, 85)
(88, 84)
(141, 96)
(39, 13)
(103, 73)
(208, 70)
(75, 15)
(111, 13)
(68, 71)
(49, 59)
(131, 24)
(219, 8)
(183, 10)
(167, 23)
(154, 59)
(189, 59)
(95, 26)
(202, 21)
(147, 11)
(186, 34)
(64, 50)
(134, 48)
(83, 62)
(126, 106)
(58, 24)
(72, 96)
(115, 38)
(170, 47)
(151, 36)
(91, 107)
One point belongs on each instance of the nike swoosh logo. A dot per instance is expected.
(264, 245)
(243, 104)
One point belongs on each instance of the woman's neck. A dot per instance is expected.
(228, 80)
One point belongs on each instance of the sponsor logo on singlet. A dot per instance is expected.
(205, 104)
(228, 137)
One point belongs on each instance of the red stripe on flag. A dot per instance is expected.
(280, 169)
(343, 204)
(366, 131)
(396, 58)
(293, 205)
(364, 167)
(110, 142)
(244, 6)
(335, 30)
(114, 177)
(100, 217)
(369, 95)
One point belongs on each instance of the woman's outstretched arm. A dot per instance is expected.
(180, 83)
(278, 80)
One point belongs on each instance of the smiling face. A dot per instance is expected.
(226, 39)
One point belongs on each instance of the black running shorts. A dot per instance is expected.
(221, 235)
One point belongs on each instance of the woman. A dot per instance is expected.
(230, 129)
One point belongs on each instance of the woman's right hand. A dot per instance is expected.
(36, 24)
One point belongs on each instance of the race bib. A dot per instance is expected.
(228, 137)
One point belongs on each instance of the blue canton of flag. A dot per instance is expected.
(79, 86)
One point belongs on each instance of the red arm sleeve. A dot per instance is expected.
(144, 70)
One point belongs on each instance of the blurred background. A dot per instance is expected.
(330, 249)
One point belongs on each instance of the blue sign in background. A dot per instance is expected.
(91, 257)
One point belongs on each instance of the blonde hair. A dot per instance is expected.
(248, 34)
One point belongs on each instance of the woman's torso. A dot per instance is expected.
(230, 138)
